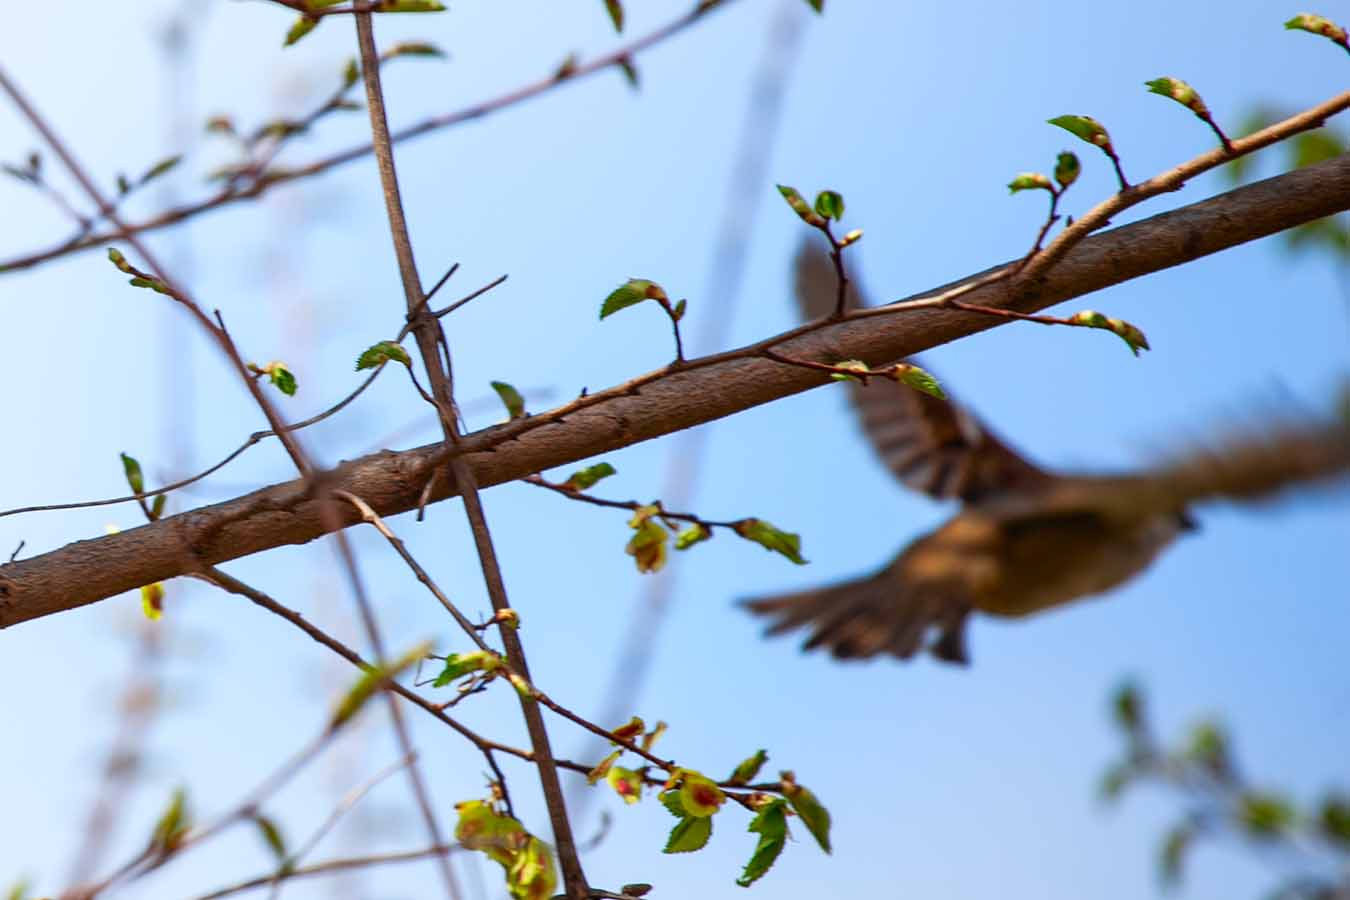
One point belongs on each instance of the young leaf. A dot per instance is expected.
(1333, 819)
(271, 835)
(157, 506)
(152, 600)
(830, 204)
(511, 399)
(117, 259)
(1265, 815)
(647, 546)
(132, 469)
(401, 6)
(160, 168)
(626, 783)
(770, 823)
(800, 207)
(602, 768)
(855, 365)
(457, 664)
(631, 730)
(481, 827)
(1030, 181)
(1132, 336)
(694, 534)
(584, 479)
(1084, 128)
(650, 738)
(808, 808)
(630, 72)
(303, 26)
(630, 293)
(532, 873)
(689, 834)
(699, 795)
(817, 5)
(281, 376)
(1127, 707)
(1181, 92)
(851, 238)
(413, 48)
(671, 801)
(173, 823)
(770, 538)
(748, 768)
(381, 353)
(1172, 854)
(615, 10)
(1067, 168)
(1319, 25)
(371, 680)
(916, 378)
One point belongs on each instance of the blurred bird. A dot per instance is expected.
(1024, 540)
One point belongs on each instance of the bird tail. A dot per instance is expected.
(866, 617)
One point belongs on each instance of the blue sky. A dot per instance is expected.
(943, 783)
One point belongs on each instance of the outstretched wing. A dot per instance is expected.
(931, 445)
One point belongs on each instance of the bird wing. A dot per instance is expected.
(929, 444)
(870, 616)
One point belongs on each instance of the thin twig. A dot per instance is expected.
(267, 180)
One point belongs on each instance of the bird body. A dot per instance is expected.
(1024, 540)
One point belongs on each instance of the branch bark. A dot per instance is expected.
(391, 482)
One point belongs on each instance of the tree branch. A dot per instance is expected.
(656, 404)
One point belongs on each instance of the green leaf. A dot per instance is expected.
(694, 534)
(1084, 128)
(1067, 168)
(678, 312)
(405, 6)
(748, 768)
(1172, 854)
(689, 834)
(1208, 747)
(282, 377)
(511, 399)
(671, 801)
(1127, 707)
(303, 26)
(630, 72)
(153, 284)
(271, 835)
(615, 10)
(631, 293)
(584, 479)
(351, 74)
(647, 546)
(1317, 25)
(1114, 781)
(160, 168)
(855, 365)
(770, 823)
(799, 206)
(815, 816)
(817, 5)
(771, 538)
(157, 506)
(914, 377)
(371, 680)
(413, 48)
(1265, 815)
(117, 259)
(830, 204)
(1180, 91)
(132, 469)
(173, 823)
(381, 353)
(123, 184)
(1333, 819)
(1132, 336)
(457, 664)
(626, 783)
(1030, 181)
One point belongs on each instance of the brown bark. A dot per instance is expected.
(87, 571)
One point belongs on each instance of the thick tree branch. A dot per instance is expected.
(659, 404)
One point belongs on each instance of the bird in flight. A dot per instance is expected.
(1025, 539)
